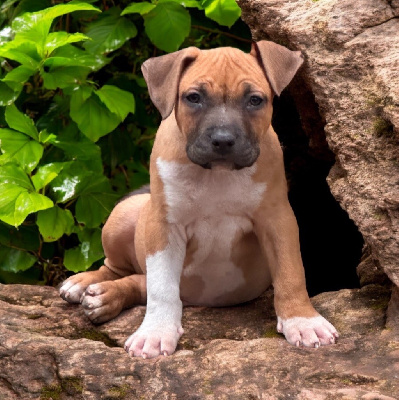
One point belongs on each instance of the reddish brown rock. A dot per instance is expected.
(351, 51)
(48, 349)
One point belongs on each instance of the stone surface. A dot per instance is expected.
(48, 349)
(351, 51)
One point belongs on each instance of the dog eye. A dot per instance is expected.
(255, 101)
(193, 98)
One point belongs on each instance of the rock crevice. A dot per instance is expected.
(352, 69)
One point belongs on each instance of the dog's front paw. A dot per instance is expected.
(152, 341)
(309, 332)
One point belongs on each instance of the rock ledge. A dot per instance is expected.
(49, 350)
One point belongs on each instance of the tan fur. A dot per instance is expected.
(214, 236)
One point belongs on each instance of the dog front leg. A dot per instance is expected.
(300, 323)
(161, 327)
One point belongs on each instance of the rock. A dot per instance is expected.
(351, 52)
(49, 350)
(369, 271)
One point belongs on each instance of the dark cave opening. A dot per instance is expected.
(331, 244)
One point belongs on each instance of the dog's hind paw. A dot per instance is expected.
(102, 302)
(153, 342)
(308, 332)
(71, 290)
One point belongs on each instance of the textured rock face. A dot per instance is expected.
(49, 350)
(351, 50)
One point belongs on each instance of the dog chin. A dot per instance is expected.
(223, 165)
(220, 164)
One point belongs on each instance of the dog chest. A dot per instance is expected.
(194, 193)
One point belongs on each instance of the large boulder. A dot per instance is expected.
(351, 69)
(50, 350)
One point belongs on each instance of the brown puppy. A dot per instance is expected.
(217, 228)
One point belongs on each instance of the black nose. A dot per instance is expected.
(222, 141)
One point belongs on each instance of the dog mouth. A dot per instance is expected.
(221, 164)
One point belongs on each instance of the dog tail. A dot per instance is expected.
(143, 190)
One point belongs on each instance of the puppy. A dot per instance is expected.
(217, 228)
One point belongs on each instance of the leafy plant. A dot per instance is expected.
(76, 123)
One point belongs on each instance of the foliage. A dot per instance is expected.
(76, 122)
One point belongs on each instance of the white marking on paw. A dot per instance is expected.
(92, 302)
(161, 328)
(152, 341)
(309, 332)
(71, 292)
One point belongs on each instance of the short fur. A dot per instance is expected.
(217, 228)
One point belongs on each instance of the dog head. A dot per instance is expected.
(222, 98)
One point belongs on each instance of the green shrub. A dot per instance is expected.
(76, 122)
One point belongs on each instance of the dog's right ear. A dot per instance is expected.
(162, 75)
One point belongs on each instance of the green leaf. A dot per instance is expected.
(58, 39)
(117, 148)
(141, 8)
(78, 147)
(71, 6)
(13, 260)
(6, 33)
(54, 222)
(71, 56)
(9, 196)
(7, 94)
(109, 33)
(27, 203)
(21, 51)
(224, 12)
(167, 25)
(94, 119)
(118, 101)
(21, 148)
(70, 181)
(12, 174)
(23, 237)
(63, 77)
(185, 3)
(46, 174)
(89, 251)
(16, 204)
(34, 27)
(18, 198)
(20, 122)
(45, 137)
(95, 202)
(19, 74)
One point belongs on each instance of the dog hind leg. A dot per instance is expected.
(104, 293)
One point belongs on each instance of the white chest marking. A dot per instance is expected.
(211, 206)
(194, 193)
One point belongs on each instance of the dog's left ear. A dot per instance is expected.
(279, 63)
(162, 75)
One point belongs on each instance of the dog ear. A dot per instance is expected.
(279, 63)
(162, 75)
